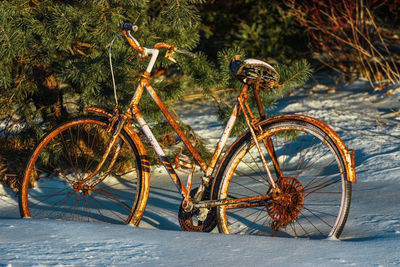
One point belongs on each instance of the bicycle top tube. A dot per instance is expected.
(144, 52)
(144, 84)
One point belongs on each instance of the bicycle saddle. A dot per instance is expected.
(252, 71)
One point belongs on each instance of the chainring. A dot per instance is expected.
(188, 221)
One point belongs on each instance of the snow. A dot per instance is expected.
(367, 121)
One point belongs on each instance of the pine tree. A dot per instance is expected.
(56, 51)
(54, 62)
(54, 59)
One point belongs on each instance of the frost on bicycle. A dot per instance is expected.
(288, 175)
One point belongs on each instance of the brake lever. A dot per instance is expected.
(169, 55)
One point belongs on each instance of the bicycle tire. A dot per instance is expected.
(67, 155)
(315, 193)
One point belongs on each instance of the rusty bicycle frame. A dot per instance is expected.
(121, 121)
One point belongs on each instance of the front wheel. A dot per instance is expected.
(307, 167)
(52, 186)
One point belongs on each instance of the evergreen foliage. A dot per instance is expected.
(55, 52)
(262, 28)
(54, 60)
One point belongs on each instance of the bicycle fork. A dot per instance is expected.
(81, 185)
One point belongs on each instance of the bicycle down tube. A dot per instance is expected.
(144, 84)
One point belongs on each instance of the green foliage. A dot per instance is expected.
(54, 56)
(56, 51)
(292, 76)
(260, 27)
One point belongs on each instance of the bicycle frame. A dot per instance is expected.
(133, 112)
(207, 169)
(291, 169)
(241, 105)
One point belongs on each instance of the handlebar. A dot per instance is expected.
(185, 53)
(128, 27)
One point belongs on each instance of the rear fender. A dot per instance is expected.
(347, 155)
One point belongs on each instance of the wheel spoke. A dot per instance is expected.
(311, 178)
(67, 155)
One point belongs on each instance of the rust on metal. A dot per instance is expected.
(178, 162)
(114, 138)
(244, 106)
(138, 93)
(271, 151)
(145, 188)
(223, 140)
(99, 111)
(260, 106)
(344, 151)
(349, 159)
(287, 206)
(353, 157)
(145, 170)
(235, 203)
(175, 125)
(188, 169)
(165, 45)
(167, 164)
(164, 160)
(135, 219)
(145, 75)
(133, 44)
(139, 117)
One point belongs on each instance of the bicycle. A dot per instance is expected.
(289, 175)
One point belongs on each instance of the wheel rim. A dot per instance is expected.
(52, 188)
(312, 169)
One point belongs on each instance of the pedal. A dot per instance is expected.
(203, 214)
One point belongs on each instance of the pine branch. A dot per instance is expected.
(294, 75)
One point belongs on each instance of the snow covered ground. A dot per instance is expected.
(368, 122)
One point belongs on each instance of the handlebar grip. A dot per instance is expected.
(185, 53)
(129, 27)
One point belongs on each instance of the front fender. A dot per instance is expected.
(99, 111)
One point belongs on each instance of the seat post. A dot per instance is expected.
(256, 93)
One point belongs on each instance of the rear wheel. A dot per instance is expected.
(308, 169)
(52, 188)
